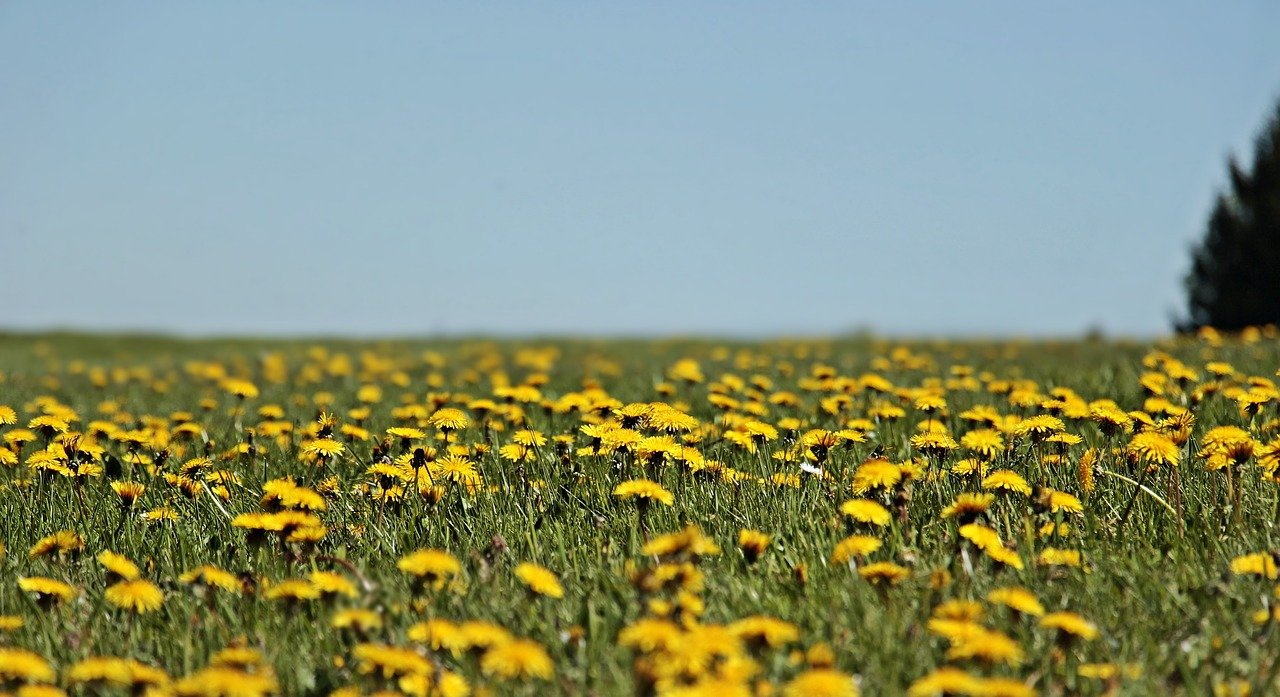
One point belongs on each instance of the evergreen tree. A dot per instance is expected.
(1234, 280)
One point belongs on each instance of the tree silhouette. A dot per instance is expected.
(1234, 280)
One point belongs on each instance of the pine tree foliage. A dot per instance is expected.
(1234, 280)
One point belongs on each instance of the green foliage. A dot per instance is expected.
(1160, 590)
(1234, 280)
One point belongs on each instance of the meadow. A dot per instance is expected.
(677, 517)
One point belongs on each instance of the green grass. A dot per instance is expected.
(1162, 598)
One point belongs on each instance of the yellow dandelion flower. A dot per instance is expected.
(1071, 624)
(1005, 556)
(1006, 480)
(821, 683)
(430, 566)
(981, 536)
(437, 634)
(123, 672)
(1260, 564)
(293, 590)
(21, 665)
(356, 619)
(162, 514)
(517, 659)
(211, 576)
(662, 417)
(884, 573)
(753, 543)
(690, 541)
(866, 511)
(406, 434)
(934, 443)
(958, 609)
(330, 583)
(854, 547)
(63, 542)
(449, 419)
(237, 656)
(118, 566)
(1060, 502)
(761, 630)
(138, 596)
(129, 492)
(222, 681)
(1050, 556)
(240, 388)
(1018, 599)
(643, 489)
(390, 661)
(650, 634)
(968, 506)
(476, 634)
(322, 448)
(876, 474)
(984, 443)
(946, 681)
(48, 425)
(1005, 687)
(1039, 427)
(1153, 449)
(47, 590)
(986, 645)
(539, 580)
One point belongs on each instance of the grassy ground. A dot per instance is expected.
(1166, 588)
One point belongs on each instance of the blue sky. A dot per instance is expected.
(640, 168)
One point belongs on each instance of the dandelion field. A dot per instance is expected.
(639, 517)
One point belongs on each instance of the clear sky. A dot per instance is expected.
(607, 167)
